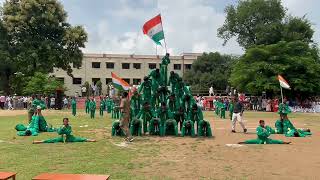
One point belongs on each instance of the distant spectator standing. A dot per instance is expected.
(211, 92)
(2, 101)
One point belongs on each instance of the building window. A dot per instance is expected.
(77, 81)
(187, 66)
(110, 65)
(137, 65)
(125, 65)
(95, 80)
(127, 80)
(152, 65)
(95, 64)
(108, 80)
(177, 66)
(136, 81)
(61, 79)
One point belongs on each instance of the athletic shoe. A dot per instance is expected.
(245, 130)
(233, 131)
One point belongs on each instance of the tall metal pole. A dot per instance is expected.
(281, 93)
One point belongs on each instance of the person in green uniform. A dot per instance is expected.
(231, 106)
(74, 106)
(38, 124)
(155, 100)
(188, 128)
(263, 133)
(87, 105)
(65, 135)
(92, 106)
(109, 104)
(222, 110)
(116, 129)
(136, 127)
(145, 115)
(156, 79)
(35, 103)
(102, 106)
(180, 116)
(284, 125)
(195, 115)
(173, 80)
(163, 113)
(204, 128)
(170, 127)
(146, 89)
(136, 102)
(154, 127)
(163, 90)
(179, 90)
(164, 68)
(187, 102)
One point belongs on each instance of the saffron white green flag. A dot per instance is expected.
(153, 29)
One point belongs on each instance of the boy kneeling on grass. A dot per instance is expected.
(66, 136)
(263, 133)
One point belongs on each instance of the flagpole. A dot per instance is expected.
(164, 37)
(281, 92)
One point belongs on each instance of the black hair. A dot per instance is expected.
(261, 121)
(163, 104)
(194, 106)
(65, 119)
(125, 94)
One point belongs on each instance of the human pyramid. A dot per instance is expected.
(158, 110)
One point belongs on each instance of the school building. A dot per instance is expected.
(131, 68)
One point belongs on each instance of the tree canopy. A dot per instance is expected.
(257, 69)
(39, 37)
(211, 69)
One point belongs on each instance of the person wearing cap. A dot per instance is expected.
(164, 69)
(102, 106)
(135, 103)
(65, 135)
(145, 115)
(195, 115)
(173, 80)
(163, 113)
(74, 106)
(92, 106)
(156, 79)
(145, 88)
(284, 125)
(87, 105)
(263, 133)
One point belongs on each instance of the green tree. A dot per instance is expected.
(5, 64)
(40, 38)
(253, 22)
(211, 69)
(297, 61)
(41, 83)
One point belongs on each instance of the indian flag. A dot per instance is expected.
(119, 83)
(153, 29)
(283, 82)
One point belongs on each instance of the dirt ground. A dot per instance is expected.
(189, 158)
(203, 158)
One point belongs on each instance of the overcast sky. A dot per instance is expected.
(115, 26)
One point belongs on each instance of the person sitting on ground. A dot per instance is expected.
(38, 124)
(66, 136)
(263, 133)
(284, 125)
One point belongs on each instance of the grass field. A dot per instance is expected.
(161, 158)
